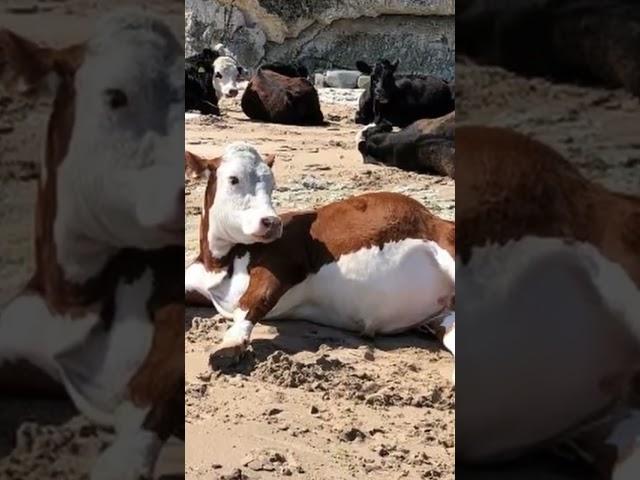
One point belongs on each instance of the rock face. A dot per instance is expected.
(328, 34)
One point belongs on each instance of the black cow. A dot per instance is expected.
(293, 70)
(403, 100)
(425, 146)
(199, 93)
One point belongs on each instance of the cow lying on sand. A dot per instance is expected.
(402, 100)
(425, 146)
(277, 98)
(549, 280)
(209, 76)
(101, 313)
(375, 264)
(199, 91)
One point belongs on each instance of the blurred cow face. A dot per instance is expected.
(115, 140)
(226, 75)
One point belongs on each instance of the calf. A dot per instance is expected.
(425, 146)
(199, 91)
(374, 263)
(226, 74)
(530, 38)
(101, 314)
(403, 100)
(549, 284)
(272, 97)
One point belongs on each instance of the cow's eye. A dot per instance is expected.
(218, 75)
(234, 180)
(116, 98)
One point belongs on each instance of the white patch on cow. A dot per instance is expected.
(227, 294)
(197, 278)
(98, 372)
(239, 207)
(225, 77)
(134, 452)
(449, 337)
(615, 285)
(540, 305)
(374, 290)
(360, 134)
(30, 331)
(117, 186)
(240, 330)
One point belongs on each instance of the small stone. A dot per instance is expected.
(314, 410)
(351, 434)
(274, 411)
(255, 465)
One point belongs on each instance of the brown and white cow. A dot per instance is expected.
(548, 278)
(373, 263)
(101, 313)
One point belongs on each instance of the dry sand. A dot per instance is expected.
(310, 401)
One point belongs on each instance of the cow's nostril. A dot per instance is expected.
(270, 222)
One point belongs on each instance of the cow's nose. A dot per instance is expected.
(233, 92)
(270, 222)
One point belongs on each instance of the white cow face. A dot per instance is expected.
(242, 211)
(120, 183)
(226, 73)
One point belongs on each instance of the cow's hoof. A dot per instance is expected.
(226, 354)
(118, 463)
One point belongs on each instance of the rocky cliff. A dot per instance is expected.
(325, 34)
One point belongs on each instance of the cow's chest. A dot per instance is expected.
(94, 363)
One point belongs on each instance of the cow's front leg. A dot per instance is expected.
(261, 296)
(133, 454)
(626, 440)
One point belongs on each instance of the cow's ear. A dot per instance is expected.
(269, 159)
(363, 67)
(29, 68)
(394, 65)
(196, 166)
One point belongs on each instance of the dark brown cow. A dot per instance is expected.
(276, 98)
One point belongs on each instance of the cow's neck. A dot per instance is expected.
(62, 295)
(216, 253)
